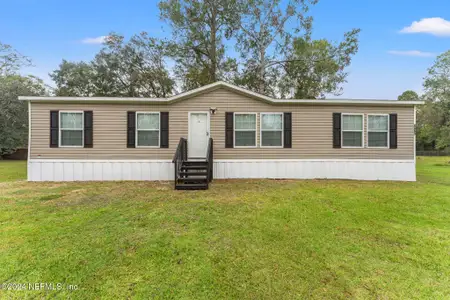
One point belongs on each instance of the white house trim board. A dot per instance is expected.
(106, 170)
(415, 121)
(29, 138)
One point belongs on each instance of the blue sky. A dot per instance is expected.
(394, 51)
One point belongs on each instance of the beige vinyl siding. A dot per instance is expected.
(311, 130)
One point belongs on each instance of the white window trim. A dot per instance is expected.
(388, 130)
(342, 130)
(261, 129)
(234, 129)
(67, 129)
(136, 140)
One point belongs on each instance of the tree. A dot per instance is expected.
(14, 113)
(132, 69)
(124, 69)
(11, 60)
(198, 30)
(262, 38)
(274, 41)
(314, 68)
(408, 96)
(437, 83)
(434, 118)
(74, 79)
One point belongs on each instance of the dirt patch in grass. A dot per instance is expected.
(50, 197)
(447, 164)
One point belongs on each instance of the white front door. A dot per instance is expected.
(198, 134)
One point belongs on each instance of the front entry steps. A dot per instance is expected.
(193, 175)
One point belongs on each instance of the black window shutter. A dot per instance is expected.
(88, 129)
(393, 131)
(287, 130)
(164, 123)
(336, 130)
(54, 128)
(131, 129)
(229, 125)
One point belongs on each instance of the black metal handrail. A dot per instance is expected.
(210, 159)
(179, 157)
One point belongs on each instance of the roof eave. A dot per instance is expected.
(214, 86)
(170, 101)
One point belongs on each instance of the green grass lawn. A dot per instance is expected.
(243, 239)
(11, 170)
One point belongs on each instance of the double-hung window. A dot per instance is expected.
(245, 129)
(147, 129)
(378, 131)
(71, 129)
(271, 129)
(352, 130)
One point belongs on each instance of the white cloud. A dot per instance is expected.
(434, 26)
(412, 53)
(95, 41)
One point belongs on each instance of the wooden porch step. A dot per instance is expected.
(194, 167)
(195, 163)
(192, 179)
(195, 173)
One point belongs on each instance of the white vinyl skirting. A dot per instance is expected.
(101, 170)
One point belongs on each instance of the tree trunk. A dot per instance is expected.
(262, 60)
(261, 71)
(213, 50)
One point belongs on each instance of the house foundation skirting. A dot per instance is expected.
(102, 170)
